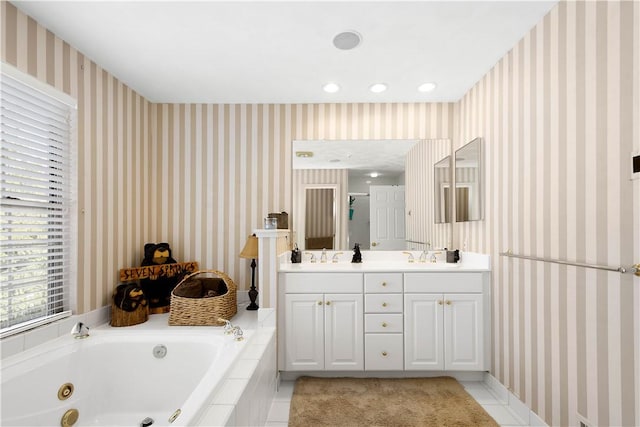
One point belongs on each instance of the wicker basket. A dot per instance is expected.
(191, 307)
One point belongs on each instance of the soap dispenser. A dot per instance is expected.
(357, 256)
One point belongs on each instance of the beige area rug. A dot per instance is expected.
(440, 401)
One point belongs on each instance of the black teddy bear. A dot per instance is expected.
(158, 288)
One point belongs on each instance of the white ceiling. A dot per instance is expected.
(386, 157)
(282, 52)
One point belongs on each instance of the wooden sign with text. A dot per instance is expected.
(154, 271)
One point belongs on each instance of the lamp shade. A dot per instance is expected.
(250, 249)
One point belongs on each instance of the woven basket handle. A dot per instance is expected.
(218, 273)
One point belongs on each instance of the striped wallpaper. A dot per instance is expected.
(114, 144)
(420, 189)
(557, 115)
(223, 168)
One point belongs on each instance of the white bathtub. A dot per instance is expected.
(117, 380)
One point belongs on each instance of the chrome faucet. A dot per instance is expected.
(323, 257)
(335, 257)
(423, 255)
(80, 331)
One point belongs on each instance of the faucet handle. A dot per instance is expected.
(334, 259)
(237, 333)
(228, 327)
(313, 257)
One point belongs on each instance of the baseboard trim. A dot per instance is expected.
(515, 404)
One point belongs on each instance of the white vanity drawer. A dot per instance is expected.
(383, 352)
(382, 282)
(442, 282)
(383, 323)
(383, 303)
(334, 283)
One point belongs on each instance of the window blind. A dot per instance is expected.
(37, 195)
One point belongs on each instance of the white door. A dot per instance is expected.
(423, 332)
(304, 332)
(387, 218)
(463, 326)
(344, 332)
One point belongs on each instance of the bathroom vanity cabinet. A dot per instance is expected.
(384, 320)
(323, 316)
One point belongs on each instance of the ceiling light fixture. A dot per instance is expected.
(331, 88)
(374, 174)
(426, 87)
(378, 87)
(347, 40)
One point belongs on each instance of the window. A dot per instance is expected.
(37, 202)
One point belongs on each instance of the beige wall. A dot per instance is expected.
(557, 118)
(113, 148)
(558, 114)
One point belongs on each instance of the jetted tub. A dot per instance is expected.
(119, 377)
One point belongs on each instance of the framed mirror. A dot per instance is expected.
(353, 167)
(441, 190)
(469, 182)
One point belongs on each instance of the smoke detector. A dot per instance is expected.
(347, 40)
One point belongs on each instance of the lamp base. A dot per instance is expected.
(253, 294)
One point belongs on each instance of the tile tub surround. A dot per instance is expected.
(18, 343)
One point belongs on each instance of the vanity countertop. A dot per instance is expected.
(386, 261)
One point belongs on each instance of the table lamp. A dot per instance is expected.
(250, 251)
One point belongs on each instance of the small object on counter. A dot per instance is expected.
(296, 255)
(270, 223)
(357, 256)
(282, 219)
(453, 256)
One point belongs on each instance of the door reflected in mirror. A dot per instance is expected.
(469, 185)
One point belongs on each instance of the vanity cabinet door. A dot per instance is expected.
(463, 326)
(423, 331)
(304, 326)
(344, 332)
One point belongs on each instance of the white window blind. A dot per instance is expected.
(37, 190)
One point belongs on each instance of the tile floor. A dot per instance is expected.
(279, 414)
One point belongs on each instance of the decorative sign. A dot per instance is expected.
(153, 272)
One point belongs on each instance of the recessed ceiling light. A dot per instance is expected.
(331, 88)
(378, 87)
(347, 40)
(373, 174)
(426, 87)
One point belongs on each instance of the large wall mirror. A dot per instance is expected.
(383, 192)
(469, 182)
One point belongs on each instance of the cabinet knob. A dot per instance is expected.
(328, 302)
(384, 283)
(319, 302)
(439, 302)
(384, 324)
(384, 304)
(374, 243)
(384, 353)
(448, 302)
